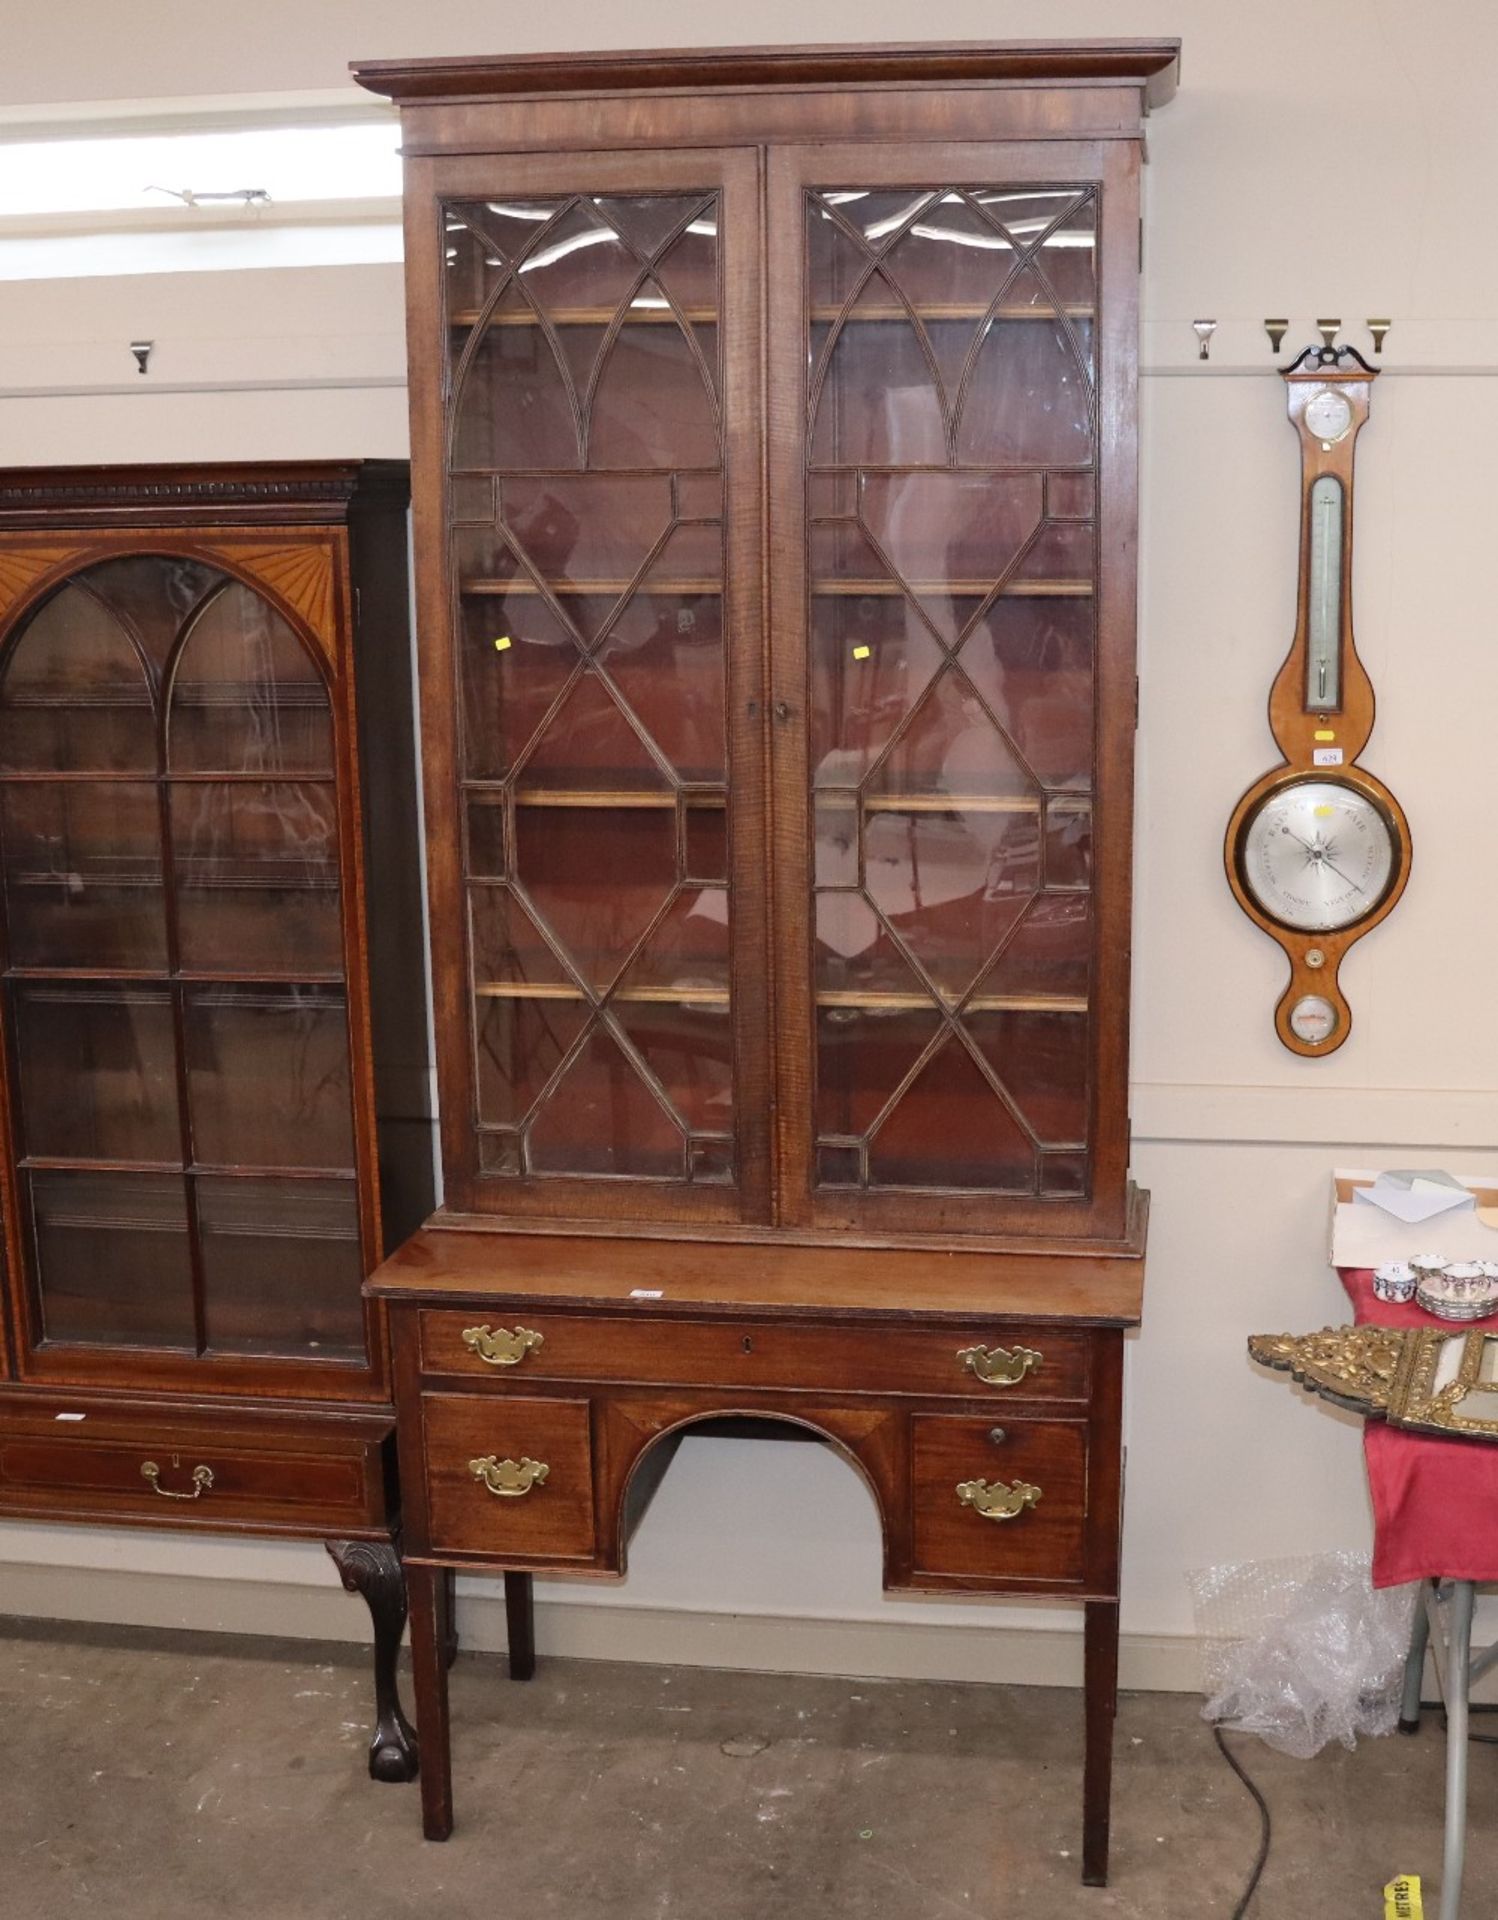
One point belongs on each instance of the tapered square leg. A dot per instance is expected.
(426, 1586)
(373, 1568)
(521, 1625)
(447, 1617)
(1101, 1692)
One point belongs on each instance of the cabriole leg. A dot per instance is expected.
(1101, 1690)
(373, 1568)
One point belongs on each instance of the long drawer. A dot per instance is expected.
(1001, 1363)
(169, 1469)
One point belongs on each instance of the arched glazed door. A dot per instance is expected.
(174, 946)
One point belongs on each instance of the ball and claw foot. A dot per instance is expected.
(373, 1568)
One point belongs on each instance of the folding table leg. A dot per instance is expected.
(1458, 1681)
(1414, 1666)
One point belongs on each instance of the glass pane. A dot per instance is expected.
(603, 1118)
(281, 1267)
(247, 696)
(112, 1256)
(257, 876)
(268, 1077)
(75, 694)
(154, 596)
(83, 875)
(952, 561)
(589, 562)
(596, 878)
(98, 1072)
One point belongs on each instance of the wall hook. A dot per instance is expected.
(1276, 329)
(1329, 329)
(1378, 328)
(142, 351)
(1204, 329)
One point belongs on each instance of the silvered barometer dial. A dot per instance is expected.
(1318, 850)
(1318, 855)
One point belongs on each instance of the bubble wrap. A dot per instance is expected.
(1302, 1652)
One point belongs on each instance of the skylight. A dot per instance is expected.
(244, 170)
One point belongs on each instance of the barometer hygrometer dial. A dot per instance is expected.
(1318, 850)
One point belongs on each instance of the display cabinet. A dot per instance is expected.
(774, 481)
(212, 1108)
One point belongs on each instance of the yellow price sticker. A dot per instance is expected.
(1402, 1898)
(862, 653)
(1325, 733)
(1324, 813)
(502, 643)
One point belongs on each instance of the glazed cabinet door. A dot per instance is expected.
(178, 895)
(952, 496)
(588, 562)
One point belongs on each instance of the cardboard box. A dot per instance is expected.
(1366, 1236)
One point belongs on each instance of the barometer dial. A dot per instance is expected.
(1317, 855)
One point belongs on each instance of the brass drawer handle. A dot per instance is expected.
(994, 1500)
(202, 1481)
(509, 1478)
(998, 1366)
(502, 1348)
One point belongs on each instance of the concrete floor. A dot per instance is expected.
(156, 1777)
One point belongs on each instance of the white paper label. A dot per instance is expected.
(1326, 757)
(70, 1416)
(647, 1293)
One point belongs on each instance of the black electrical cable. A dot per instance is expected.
(1265, 1829)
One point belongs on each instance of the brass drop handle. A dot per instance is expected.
(202, 1481)
(1000, 1366)
(501, 1348)
(509, 1479)
(994, 1500)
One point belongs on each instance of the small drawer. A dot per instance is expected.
(507, 1476)
(168, 1474)
(1000, 1508)
(997, 1363)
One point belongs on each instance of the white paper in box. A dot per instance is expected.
(1366, 1236)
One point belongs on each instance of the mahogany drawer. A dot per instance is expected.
(167, 1473)
(657, 1351)
(508, 1477)
(973, 1531)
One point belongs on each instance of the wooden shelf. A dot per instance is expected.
(631, 797)
(641, 996)
(847, 587)
(980, 1003)
(822, 797)
(583, 589)
(822, 314)
(953, 802)
(187, 977)
(719, 997)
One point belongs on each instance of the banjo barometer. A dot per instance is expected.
(1318, 850)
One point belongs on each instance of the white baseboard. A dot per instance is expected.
(583, 1629)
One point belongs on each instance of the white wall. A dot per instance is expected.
(1304, 169)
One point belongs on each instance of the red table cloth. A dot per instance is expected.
(1435, 1501)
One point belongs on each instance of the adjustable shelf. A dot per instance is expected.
(719, 997)
(843, 587)
(822, 314)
